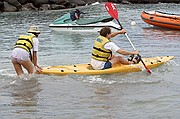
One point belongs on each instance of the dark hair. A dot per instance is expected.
(78, 11)
(104, 31)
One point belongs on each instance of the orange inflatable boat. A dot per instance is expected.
(161, 19)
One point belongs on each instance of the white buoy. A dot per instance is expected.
(133, 23)
(96, 3)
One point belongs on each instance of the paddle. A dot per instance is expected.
(110, 7)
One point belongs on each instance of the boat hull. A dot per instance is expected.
(86, 69)
(64, 23)
(84, 28)
(160, 19)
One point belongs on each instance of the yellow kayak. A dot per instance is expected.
(87, 68)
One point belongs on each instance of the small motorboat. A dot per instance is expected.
(161, 19)
(65, 23)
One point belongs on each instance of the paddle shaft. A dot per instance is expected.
(126, 35)
(113, 12)
(148, 70)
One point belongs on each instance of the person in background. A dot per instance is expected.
(102, 51)
(25, 51)
(75, 15)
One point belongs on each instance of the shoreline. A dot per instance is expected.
(42, 5)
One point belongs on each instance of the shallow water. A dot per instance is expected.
(127, 96)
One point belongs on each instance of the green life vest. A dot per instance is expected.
(98, 51)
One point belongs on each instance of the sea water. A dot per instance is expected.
(138, 95)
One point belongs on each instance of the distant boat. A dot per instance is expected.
(64, 23)
(161, 19)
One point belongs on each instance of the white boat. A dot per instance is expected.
(65, 23)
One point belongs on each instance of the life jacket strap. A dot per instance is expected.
(26, 40)
(99, 56)
(99, 49)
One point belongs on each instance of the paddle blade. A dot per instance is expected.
(111, 8)
(148, 70)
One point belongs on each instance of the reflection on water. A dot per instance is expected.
(158, 32)
(24, 94)
(102, 90)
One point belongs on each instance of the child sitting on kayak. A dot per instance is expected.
(102, 52)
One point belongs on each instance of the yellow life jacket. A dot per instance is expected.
(25, 42)
(98, 51)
